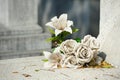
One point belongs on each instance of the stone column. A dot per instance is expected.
(110, 30)
(20, 35)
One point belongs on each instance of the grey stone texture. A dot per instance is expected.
(109, 36)
(20, 35)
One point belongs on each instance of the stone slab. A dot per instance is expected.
(16, 69)
(20, 30)
(109, 36)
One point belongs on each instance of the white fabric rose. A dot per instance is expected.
(68, 46)
(69, 61)
(75, 55)
(90, 41)
(60, 24)
(84, 54)
(57, 50)
(53, 59)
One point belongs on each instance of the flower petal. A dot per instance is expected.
(47, 54)
(68, 29)
(63, 17)
(50, 24)
(57, 50)
(63, 21)
(57, 32)
(54, 19)
(69, 23)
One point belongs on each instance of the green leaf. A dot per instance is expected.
(51, 30)
(61, 37)
(52, 39)
(65, 33)
(49, 39)
(75, 30)
(45, 60)
(78, 39)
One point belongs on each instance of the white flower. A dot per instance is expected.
(57, 50)
(90, 41)
(83, 54)
(53, 59)
(60, 24)
(69, 61)
(68, 46)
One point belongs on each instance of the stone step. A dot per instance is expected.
(21, 54)
(23, 44)
(11, 31)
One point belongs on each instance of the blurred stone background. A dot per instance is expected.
(84, 13)
(22, 23)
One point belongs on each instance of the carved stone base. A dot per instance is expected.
(21, 43)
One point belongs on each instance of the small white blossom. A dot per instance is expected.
(60, 24)
(53, 59)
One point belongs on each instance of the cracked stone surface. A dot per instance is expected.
(31, 68)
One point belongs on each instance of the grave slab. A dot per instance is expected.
(31, 68)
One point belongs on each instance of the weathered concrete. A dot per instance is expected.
(33, 66)
(110, 30)
(20, 35)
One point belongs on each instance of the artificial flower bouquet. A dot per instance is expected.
(71, 53)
